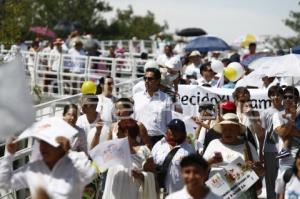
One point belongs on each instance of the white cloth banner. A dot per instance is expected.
(191, 96)
(112, 153)
(16, 106)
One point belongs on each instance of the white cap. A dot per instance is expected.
(194, 53)
(174, 63)
(48, 130)
(150, 64)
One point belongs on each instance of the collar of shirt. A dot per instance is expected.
(155, 94)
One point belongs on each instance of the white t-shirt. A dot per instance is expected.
(105, 107)
(183, 194)
(278, 121)
(291, 189)
(229, 153)
(89, 128)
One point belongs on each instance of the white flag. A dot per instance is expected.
(16, 106)
(112, 153)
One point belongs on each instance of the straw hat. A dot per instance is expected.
(229, 118)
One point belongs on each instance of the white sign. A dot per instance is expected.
(191, 96)
(112, 153)
(16, 106)
(234, 179)
(48, 130)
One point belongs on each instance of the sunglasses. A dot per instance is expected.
(290, 97)
(149, 78)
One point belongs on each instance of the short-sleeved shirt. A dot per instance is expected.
(160, 150)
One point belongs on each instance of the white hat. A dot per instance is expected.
(229, 118)
(48, 130)
(174, 63)
(194, 53)
(150, 64)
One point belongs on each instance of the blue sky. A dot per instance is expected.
(227, 19)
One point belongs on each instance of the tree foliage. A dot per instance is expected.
(127, 25)
(17, 16)
(293, 22)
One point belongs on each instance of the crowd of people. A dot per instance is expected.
(268, 141)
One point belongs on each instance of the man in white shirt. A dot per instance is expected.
(76, 53)
(167, 55)
(275, 93)
(175, 137)
(207, 76)
(153, 107)
(140, 86)
(194, 171)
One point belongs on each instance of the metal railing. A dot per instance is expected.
(48, 109)
(63, 74)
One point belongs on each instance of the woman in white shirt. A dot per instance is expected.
(231, 146)
(70, 114)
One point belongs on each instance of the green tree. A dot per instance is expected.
(127, 25)
(293, 22)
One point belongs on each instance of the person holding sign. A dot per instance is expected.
(230, 146)
(194, 171)
(126, 183)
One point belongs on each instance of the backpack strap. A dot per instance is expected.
(288, 175)
(169, 158)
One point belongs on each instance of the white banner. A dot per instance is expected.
(16, 106)
(112, 153)
(234, 179)
(190, 96)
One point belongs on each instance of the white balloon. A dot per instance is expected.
(240, 71)
(217, 66)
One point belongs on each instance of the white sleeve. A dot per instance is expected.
(277, 120)
(280, 184)
(86, 169)
(10, 179)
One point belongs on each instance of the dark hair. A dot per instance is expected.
(275, 90)
(131, 126)
(238, 91)
(101, 83)
(155, 71)
(68, 107)
(126, 103)
(35, 43)
(252, 44)
(90, 99)
(144, 55)
(194, 159)
(291, 89)
(205, 67)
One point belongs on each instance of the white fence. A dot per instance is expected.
(52, 108)
(63, 74)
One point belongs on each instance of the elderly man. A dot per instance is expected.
(153, 107)
(171, 149)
